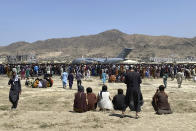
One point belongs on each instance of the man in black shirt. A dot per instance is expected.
(133, 97)
(15, 90)
(119, 101)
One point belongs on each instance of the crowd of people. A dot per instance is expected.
(39, 83)
(131, 75)
(112, 72)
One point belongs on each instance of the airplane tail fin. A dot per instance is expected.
(124, 53)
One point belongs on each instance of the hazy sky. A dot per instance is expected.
(31, 20)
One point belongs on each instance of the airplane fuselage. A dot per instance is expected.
(119, 58)
(97, 60)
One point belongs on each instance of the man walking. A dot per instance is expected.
(133, 97)
(70, 78)
(78, 78)
(179, 77)
(64, 79)
(15, 90)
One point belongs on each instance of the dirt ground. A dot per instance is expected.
(52, 109)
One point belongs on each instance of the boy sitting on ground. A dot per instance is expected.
(160, 102)
(91, 99)
(119, 101)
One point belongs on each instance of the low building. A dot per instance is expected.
(21, 59)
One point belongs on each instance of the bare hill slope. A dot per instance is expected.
(108, 43)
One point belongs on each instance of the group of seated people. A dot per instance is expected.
(85, 102)
(114, 78)
(89, 101)
(39, 83)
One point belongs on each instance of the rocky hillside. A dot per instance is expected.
(108, 43)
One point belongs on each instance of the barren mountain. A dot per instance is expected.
(106, 44)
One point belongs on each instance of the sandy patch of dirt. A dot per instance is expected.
(51, 109)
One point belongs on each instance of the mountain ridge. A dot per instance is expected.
(106, 44)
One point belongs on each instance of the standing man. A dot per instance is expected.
(14, 69)
(64, 77)
(61, 69)
(172, 73)
(194, 74)
(15, 90)
(70, 78)
(179, 77)
(78, 78)
(133, 97)
(36, 69)
(48, 70)
(27, 72)
(103, 77)
(165, 76)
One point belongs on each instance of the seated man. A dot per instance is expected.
(40, 83)
(104, 100)
(160, 102)
(44, 83)
(80, 104)
(28, 82)
(119, 101)
(35, 83)
(112, 78)
(92, 99)
(49, 82)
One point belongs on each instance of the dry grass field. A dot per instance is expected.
(51, 109)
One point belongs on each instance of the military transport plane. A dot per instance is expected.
(119, 58)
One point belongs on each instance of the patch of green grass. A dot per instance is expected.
(46, 125)
(97, 125)
(4, 107)
(66, 103)
(4, 114)
(183, 106)
(9, 125)
(89, 80)
(40, 103)
(96, 119)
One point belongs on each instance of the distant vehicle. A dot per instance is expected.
(121, 57)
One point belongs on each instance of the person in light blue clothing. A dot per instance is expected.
(36, 69)
(147, 73)
(104, 77)
(64, 77)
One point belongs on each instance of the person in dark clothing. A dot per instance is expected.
(80, 104)
(119, 101)
(15, 90)
(49, 82)
(70, 78)
(44, 83)
(160, 102)
(92, 99)
(78, 78)
(165, 76)
(27, 82)
(133, 97)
